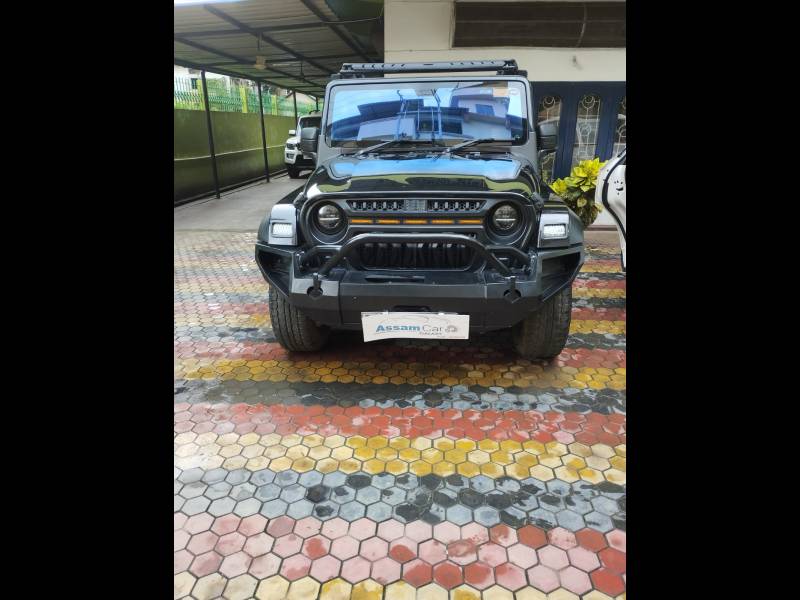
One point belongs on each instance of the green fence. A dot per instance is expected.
(227, 96)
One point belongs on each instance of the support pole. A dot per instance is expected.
(210, 134)
(294, 97)
(316, 104)
(263, 132)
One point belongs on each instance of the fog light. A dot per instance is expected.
(554, 231)
(283, 230)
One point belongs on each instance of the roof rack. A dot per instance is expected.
(355, 70)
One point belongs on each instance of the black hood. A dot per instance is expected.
(422, 172)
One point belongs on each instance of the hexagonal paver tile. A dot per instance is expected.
(462, 552)
(295, 567)
(403, 549)
(181, 560)
(209, 586)
(419, 531)
(607, 581)
(325, 568)
(335, 528)
(432, 551)
(446, 532)
(543, 578)
(553, 557)
(235, 564)
(265, 566)
(206, 563)
(280, 526)
(479, 575)
(502, 534)
(344, 547)
(303, 589)
(510, 576)
(385, 570)
(287, 545)
(272, 587)
(230, 543)
(476, 533)
(362, 529)
(492, 554)
(307, 527)
(336, 589)
(522, 555)
(199, 523)
(448, 575)
(316, 546)
(391, 530)
(591, 539)
(240, 588)
(417, 572)
(355, 569)
(400, 590)
(374, 548)
(583, 559)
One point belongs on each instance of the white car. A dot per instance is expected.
(295, 160)
(610, 193)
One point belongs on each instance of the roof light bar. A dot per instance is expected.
(503, 67)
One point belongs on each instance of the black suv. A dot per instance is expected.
(426, 203)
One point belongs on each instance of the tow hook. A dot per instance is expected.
(512, 293)
(315, 291)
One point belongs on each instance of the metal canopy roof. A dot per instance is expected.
(299, 40)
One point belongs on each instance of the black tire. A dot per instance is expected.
(293, 330)
(294, 172)
(543, 334)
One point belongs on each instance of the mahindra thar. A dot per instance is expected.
(426, 215)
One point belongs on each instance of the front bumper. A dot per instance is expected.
(494, 296)
(296, 158)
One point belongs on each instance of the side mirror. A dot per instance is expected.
(309, 139)
(292, 132)
(547, 136)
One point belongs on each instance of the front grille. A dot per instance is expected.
(415, 205)
(376, 205)
(454, 205)
(434, 255)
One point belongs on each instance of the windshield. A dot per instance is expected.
(310, 122)
(445, 112)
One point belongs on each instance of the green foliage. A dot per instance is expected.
(577, 190)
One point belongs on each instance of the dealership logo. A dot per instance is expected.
(383, 328)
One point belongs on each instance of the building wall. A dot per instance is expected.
(422, 31)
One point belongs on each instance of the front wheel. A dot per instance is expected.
(543, 334)
(294, 172)
(293, 330)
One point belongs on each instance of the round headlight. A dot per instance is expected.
(505, 217)
(329, 217)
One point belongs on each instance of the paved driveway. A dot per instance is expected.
(397, 469)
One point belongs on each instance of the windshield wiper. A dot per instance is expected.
(388, 143)
(475, 142)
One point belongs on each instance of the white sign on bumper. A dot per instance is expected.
(417, 325)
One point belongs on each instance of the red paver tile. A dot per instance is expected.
(361, 529)
(235, 564)
(265, 566)
(562, 538)
(205, 564)
(607, 581)
(287, 545)
(503, 534)
(448, 575)
(476, 533)
(308, 527)
(616, 539)
(295, 567)
(335, 528)
(385, 570)
(522, 555)
(613, 559)
(181, 561)
(492, 554)
(419, 531)
(391, 530)
(446, 532)
(325, 568)
(258, 544)
(252, 525)
(316, 546)
(591, 539)
(574, 580)
(532, 536)
(510, 576)
(355, 569)
(417, 572)
(226, 524)
(374, 548)
(462, 552)
(403, 549)
(280, 526)
(199, 523)
(543, 578)
(203, 542)
(230, 543)
(344, 547)
(479, 575)
(553, 557)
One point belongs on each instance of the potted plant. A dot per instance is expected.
(577, 190)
